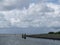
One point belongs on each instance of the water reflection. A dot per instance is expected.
(17, 40)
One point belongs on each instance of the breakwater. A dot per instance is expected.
(44, 36)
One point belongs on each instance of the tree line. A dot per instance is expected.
(54, 32)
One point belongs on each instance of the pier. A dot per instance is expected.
(24, 36)
(43, 36)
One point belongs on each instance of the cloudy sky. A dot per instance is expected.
(30, 13)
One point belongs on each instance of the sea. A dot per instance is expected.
(18, 40)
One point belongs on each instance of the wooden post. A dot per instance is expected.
(24, 36)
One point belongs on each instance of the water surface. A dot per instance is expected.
(17, 40)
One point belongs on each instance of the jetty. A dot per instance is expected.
(24, 36)
(43, 36)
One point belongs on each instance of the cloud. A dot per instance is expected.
(32, 14)
(3, 21)
(17, 4)
(13, 4)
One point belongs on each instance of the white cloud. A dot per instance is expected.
(36, 15)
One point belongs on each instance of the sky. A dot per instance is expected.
(30, 13)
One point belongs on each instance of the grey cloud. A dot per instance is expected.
(18, 4)
(4, 22)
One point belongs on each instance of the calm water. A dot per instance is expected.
(17, 40)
